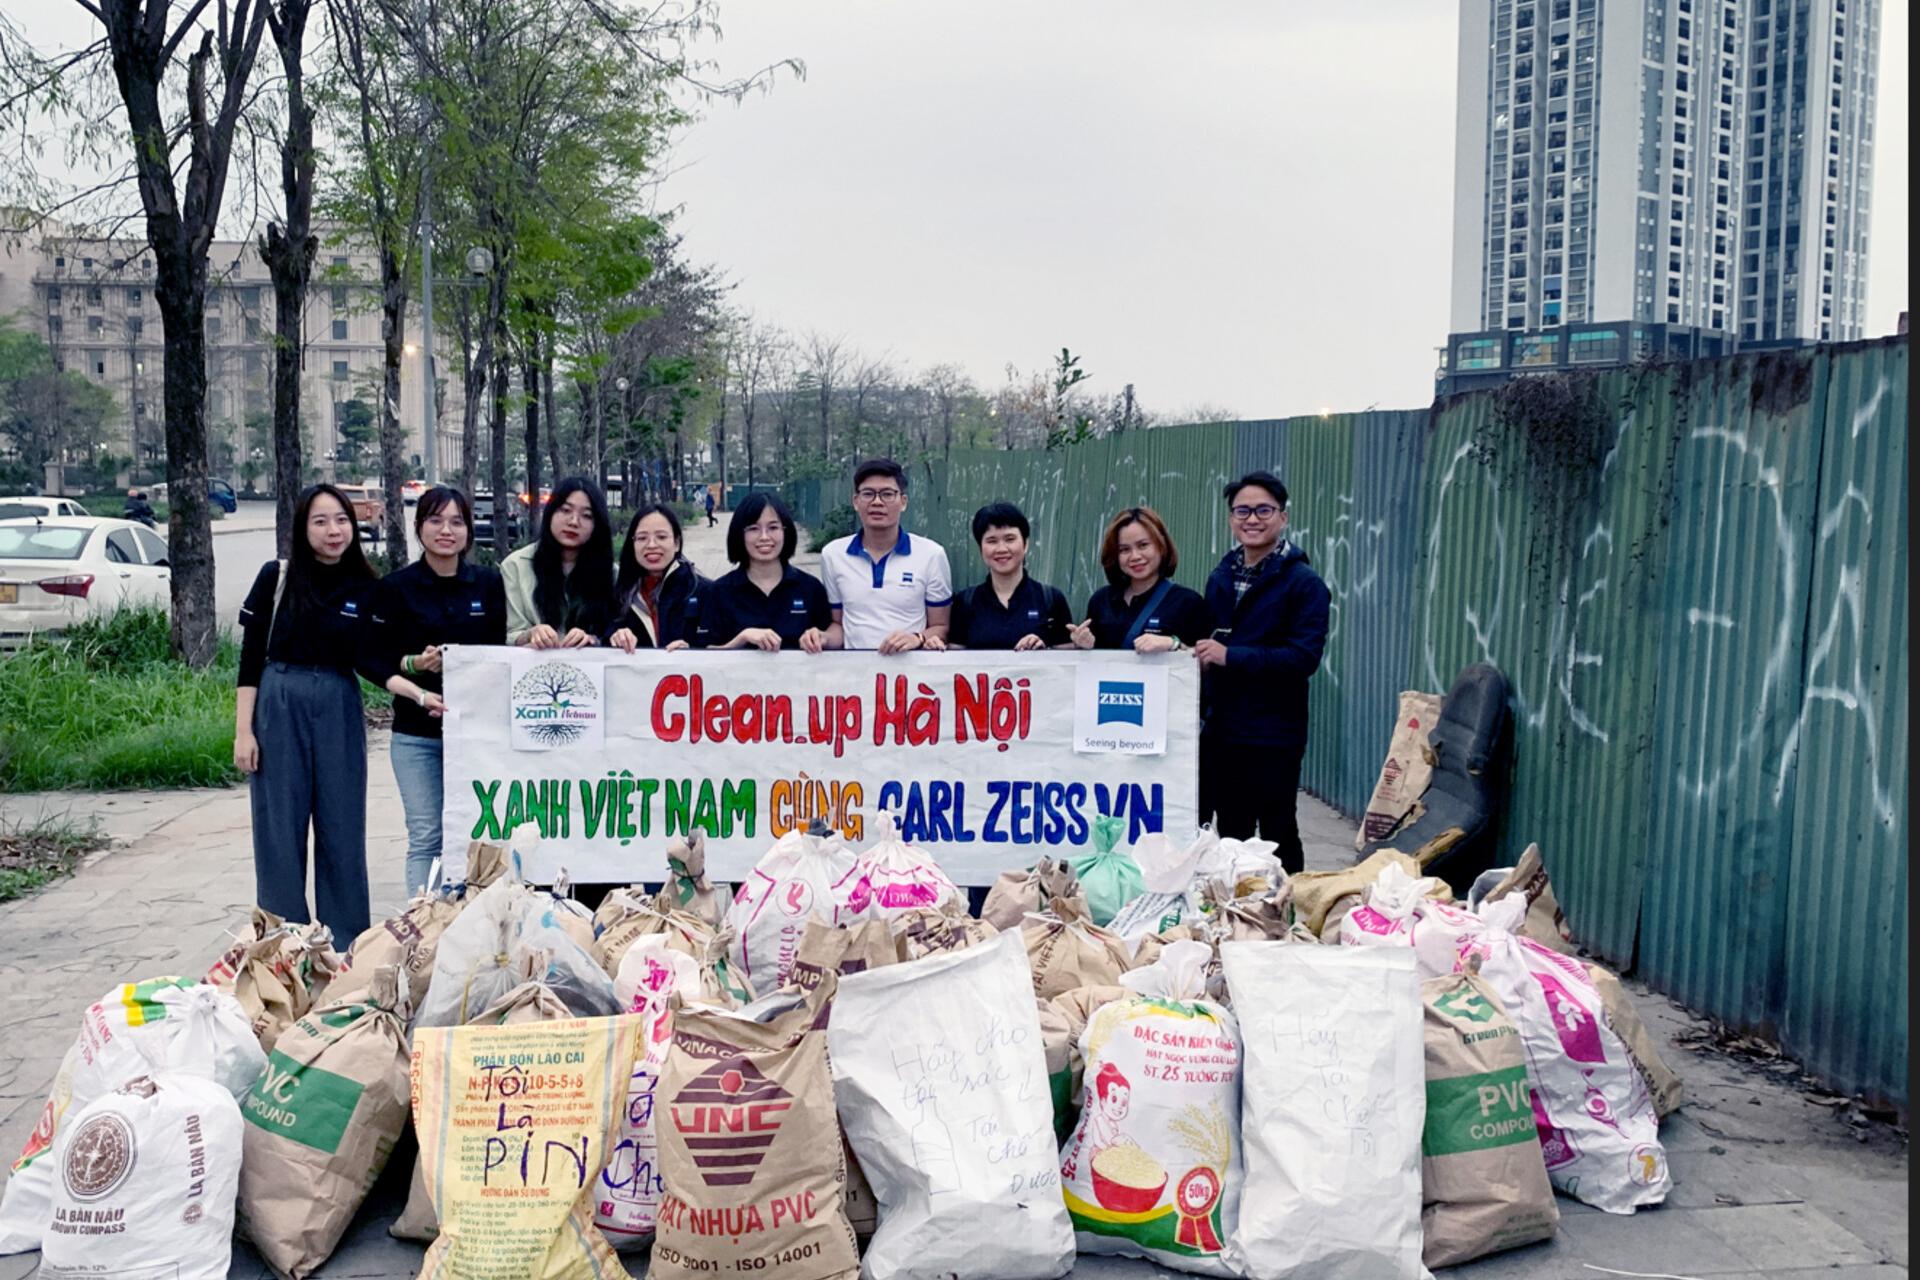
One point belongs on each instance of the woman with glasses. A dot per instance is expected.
(765, 603)
(658, 590)
(560, 589)
(1141, 608)
(1270, 616)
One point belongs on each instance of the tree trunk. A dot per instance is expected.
(530, 387)
(180, 287)
(289, 256)
(826, 420)
(746, 434)
(504, 503)
(474, 386)
(553, 415)
(600, 434)
(393, 442)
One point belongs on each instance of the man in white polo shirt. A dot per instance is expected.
(890, 590)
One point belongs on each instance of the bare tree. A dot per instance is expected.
(868, 378)
(826, 360)
(946, 384)
(754, 351)
(288, 248)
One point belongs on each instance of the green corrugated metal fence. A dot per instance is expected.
(1697, 589)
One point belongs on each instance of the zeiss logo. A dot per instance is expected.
(1122, 702)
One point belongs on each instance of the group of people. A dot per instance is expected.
(314, 621)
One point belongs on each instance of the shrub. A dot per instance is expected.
(835, 522)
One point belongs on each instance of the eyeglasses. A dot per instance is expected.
(876, 495)
(1265, 511)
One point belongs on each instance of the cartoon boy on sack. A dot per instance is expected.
(1112, 1100)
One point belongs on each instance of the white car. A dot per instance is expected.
(57, 571)
(27, 508)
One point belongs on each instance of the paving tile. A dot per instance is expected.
(1679, 1239)
(1787, 1237)
(1882, 1271)
(18, 1266)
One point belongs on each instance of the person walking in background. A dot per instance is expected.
(765, 603)
(658, 590)
(414, 613)
(710, 520)
(1009, 610)
(138, 508)
(560, 587)
(299, 731)
(890, 591)
(1270, 613)
(1141, 608)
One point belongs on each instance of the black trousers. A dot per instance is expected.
(1247, 788)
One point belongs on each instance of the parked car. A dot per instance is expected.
(219, 493)
(40, 508)
(60, 570)
(411, 490)
(369, 509)
(483, 519)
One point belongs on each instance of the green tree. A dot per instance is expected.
(46, 413)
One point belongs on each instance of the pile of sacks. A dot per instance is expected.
(837, 1070)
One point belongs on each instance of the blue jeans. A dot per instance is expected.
(416, 768)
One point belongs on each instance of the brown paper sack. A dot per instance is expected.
(485, 864)
(1406, 771)
(927, 931)
(1314, 892)
(1483, 1179)
(1016, 894)
(279, 976)
(408, 941)
(1624, 1019)
(1544, 922)
(261, 923)
(750, 1147)
(685, 933)
(686, 887)
(826, 948)
(1067, 950)
(321, 1123)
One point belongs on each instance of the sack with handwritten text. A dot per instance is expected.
(1332, 1109)
(1598, 1129)
(1066, 950)
(1483, 1184)
(802, 876)
(892, 878)
(1015, 895)
(321, 1122)
(628, 1202)
(750, 1145)
(515, 1123)
(136, 1028)
(147, 1180)
(1153, 1168)
(941, 1079)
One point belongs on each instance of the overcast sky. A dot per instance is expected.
(1244, 205)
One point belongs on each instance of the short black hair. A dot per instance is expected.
(1265, 480)
(748, 514)
(880, 467)
(999, 515)
(430, 504)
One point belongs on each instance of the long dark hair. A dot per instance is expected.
(630, 570)
(583, 598)
(748, 514)
(300, 564)
(430, 504)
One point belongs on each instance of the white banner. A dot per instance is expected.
(987, 759)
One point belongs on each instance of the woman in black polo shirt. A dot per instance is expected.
(765, 603)
(436, 601)
(1009, 610)
(1141, 608)
(657, 594)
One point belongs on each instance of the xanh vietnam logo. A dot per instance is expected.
(555, 702)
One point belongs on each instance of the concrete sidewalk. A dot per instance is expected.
(1768, 1182)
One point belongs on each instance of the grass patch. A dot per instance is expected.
(105, 707)
(115, 505)
(33, 857)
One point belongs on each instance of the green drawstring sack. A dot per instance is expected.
(1110, 878)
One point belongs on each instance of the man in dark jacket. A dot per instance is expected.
(1270, 614)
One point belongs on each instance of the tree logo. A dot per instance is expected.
(554, 704)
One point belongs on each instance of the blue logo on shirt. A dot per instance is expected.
(351, 608)
(906, 576)
(799, 606)
(1122, 702)
(1033, 613)
(476, 608)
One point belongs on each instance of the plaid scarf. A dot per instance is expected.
(1245, 576)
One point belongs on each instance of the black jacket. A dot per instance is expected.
(678, 602)
(1277, 632)
(414, 607)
